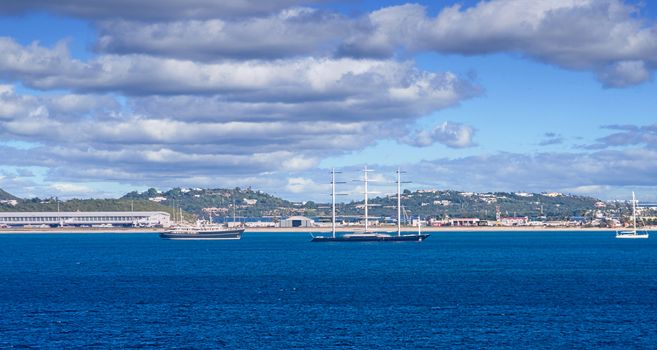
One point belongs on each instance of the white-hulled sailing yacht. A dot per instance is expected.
(632, 233)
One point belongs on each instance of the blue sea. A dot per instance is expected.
(580, 290)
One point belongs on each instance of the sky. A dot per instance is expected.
(101, 98)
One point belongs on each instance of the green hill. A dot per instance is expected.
(427, 203)
(221, 202)
(437, 203)
(6, 196)
(252, 203)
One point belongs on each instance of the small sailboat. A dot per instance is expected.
(632, 233)
(367, 235)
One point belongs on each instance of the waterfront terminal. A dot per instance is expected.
(86, 219)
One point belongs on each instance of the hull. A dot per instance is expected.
(372, 238)
(204, 235)
(632, 236)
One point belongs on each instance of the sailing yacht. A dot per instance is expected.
(367, 235)
(632, 233)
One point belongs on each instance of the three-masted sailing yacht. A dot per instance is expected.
(367, 235)
(632, 233)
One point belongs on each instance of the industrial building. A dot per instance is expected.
(297, 221)
(87, 219)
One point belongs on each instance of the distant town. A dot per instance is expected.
(253, 208)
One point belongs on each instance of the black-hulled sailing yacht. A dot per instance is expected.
(367, 235)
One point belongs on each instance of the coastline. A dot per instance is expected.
(304, 230)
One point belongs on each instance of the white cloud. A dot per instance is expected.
(148, 10)
(624, 73)
(238, 116)
(543, 171)
(181, 91)
(450, 134)
(71, 189)
(291, 32)
(628, 135)
(352, 81)
(300, 185)
(604, 36)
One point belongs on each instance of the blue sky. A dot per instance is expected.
(98, 99)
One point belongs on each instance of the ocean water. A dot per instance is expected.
(578, 290)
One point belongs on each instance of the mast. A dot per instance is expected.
(398, 202)
(173, 209)
(634, 211)
(399, 207)
(366, 205)
(333, 201)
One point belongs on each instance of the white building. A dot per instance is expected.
(90, 218)
(514, 221)
(464, 222)
(297, 221)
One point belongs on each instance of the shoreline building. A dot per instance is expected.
(297, 221)
(514, 221)
(87, 219)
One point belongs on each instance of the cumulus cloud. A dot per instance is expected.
(628, 135)
(179, 91)
(238, 116)
(149, 9)
(604, 36)
(450, 134)
(624, 73)
(542, 171)
(606, 174)
(308, 78)
(15, 106)
(71, 188)
(300, 184)
(607, 37)
(94, 137)
(288, 33)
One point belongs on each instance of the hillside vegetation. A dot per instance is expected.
(6, 196)
(252, 203)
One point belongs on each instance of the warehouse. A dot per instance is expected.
(86, 219)
(297, 221)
